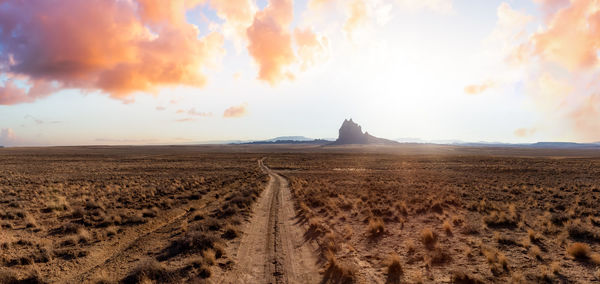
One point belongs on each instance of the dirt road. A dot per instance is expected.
(273, 249)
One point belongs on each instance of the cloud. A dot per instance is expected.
(236, 111)
(11, 93)
(550, 7)
(440, 6)
(270, 41)
(357, 15)
(586, 118)
(238, 16)
(572, 36)
(197, 113)
(117, 47)
(525, 132)
(557, 65)
(7, 137)
(312, 49)
(478, 89)
(189, 119)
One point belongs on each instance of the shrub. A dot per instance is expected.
(376, 227)
(460, 277)
(209, 256)
(447, 228)
(438, 256)
(394, 269)
(579, 251)
(148, 271)
(191, 242)
(428, 238)
(501, 219)
(581, 232)
(230, 233)
(337, 272)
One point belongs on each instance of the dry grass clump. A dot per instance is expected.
(502, 219)
(30, 222)
(438, 256)
(447, 228)
(401, 207)
(460, 277)
(9, 277)
(58, 203)
(505, 240)
(149, 271)
(376, 227)
(471, 228)
(338, 272)
(394, 268)
(209, 256)
(428, 238)
(190, 243)
(580, 231)
(536, 252)
(230, 233)
(316, 228)
(497, 260)
(583, 252)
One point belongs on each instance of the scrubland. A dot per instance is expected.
(414, 214)
(462, 218)
(121, 214)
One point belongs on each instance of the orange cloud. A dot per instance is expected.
(11, 94)
(236, 111)
(238, 15)
(197, 113)
(572, 37)
(550, 7)
(560, 61)
(310, 47)
(270, 42)
(118, 47)
(478, 89)
(586, 118)
(525, 132)
(357, 15)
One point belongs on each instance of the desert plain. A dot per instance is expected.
(299, 214)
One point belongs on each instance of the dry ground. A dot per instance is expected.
(216, 214)
(449, 217)
(121, 214)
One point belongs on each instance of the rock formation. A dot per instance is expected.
(351, 133)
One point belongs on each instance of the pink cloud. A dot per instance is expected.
(236, 111)
(478, 89)
(117, 47)
(197, 113)
(270, 41)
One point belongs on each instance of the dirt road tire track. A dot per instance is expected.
(273, 249)
(131, 241)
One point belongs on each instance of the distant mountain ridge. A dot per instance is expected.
(540, 145)
(351, 133)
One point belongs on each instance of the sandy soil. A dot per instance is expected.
(273, 249)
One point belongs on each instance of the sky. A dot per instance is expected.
(115, 72)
